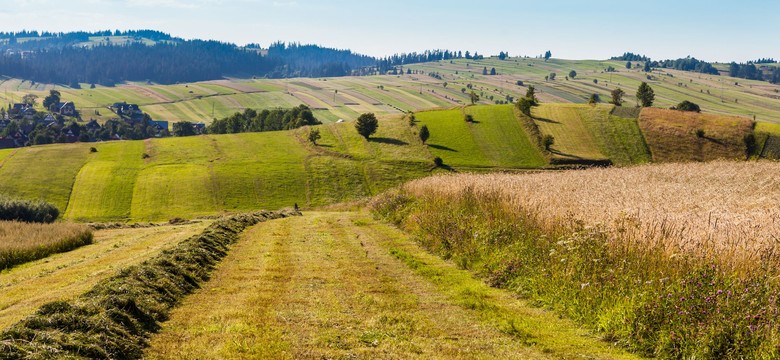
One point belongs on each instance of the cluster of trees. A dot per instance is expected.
(765, 61)
(164, 62)
(54, 58)
(296, 60)
(388, 63)
(687, 64)
(752, 72)
(628, 56)
(745, 71)
(265, 120)
(524, 104)
(35, 40)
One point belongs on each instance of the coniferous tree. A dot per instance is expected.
(645, 95)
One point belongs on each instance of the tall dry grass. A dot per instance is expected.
(22, 242)
(670, 261)
(723, 210)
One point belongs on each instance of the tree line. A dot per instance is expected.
(266, 120)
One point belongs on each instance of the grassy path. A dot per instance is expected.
(341, 285)
(67, 275)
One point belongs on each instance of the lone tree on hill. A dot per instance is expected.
(628, 65)
(473, 97)
(547, 55)
(617, 96)
(424, 133)
(687, 106)
(524, 105)
(314, 135)
(647, 67)
(594, 99)
(552, 76)
(645, 95)
(530, 94)
(366, 124)
(484, 71)
(492, 71)
(572, 74)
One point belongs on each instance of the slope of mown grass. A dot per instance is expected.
(618, 137)
(671, 135)
(67, 275)
(104, 187)
(43, 172)
(343, 285)
(502, 139)
(254, 171)
(495, 139)
(573, 139)
(117, 316)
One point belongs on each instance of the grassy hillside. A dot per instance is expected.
(347, 97)
(158, 179)
(672, 135)
(496, 138)
(585, 133)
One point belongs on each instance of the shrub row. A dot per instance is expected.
(115, 319)
(631, 292)
(28, 211)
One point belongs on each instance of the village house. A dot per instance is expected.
(64, 108)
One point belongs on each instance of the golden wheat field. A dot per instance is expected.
(21, 242)
(724, 209)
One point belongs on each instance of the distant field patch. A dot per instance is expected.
(573, 140)
(672, 135)
(495, 139)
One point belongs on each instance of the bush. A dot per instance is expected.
(438, 162)
(548, 141)
(28, 211)
(469, 118)
(687, 106)
(700, 133)
(751, 146)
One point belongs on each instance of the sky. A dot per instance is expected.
(711, 30)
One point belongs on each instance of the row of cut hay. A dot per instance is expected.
(115, 319)
(24, 242)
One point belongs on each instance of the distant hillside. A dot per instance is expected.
(158, 179)
(108, 58)
(684, 136)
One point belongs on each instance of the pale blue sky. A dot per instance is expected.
(710, 30)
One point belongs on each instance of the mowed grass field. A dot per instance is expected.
(591, 132)
(342, 285)
(159, 179)
(496, 138)
(64, 276)
(672, 135)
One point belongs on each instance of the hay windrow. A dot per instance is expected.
(116, 318)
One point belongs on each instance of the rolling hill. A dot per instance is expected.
(440, 84)
(158, 179)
